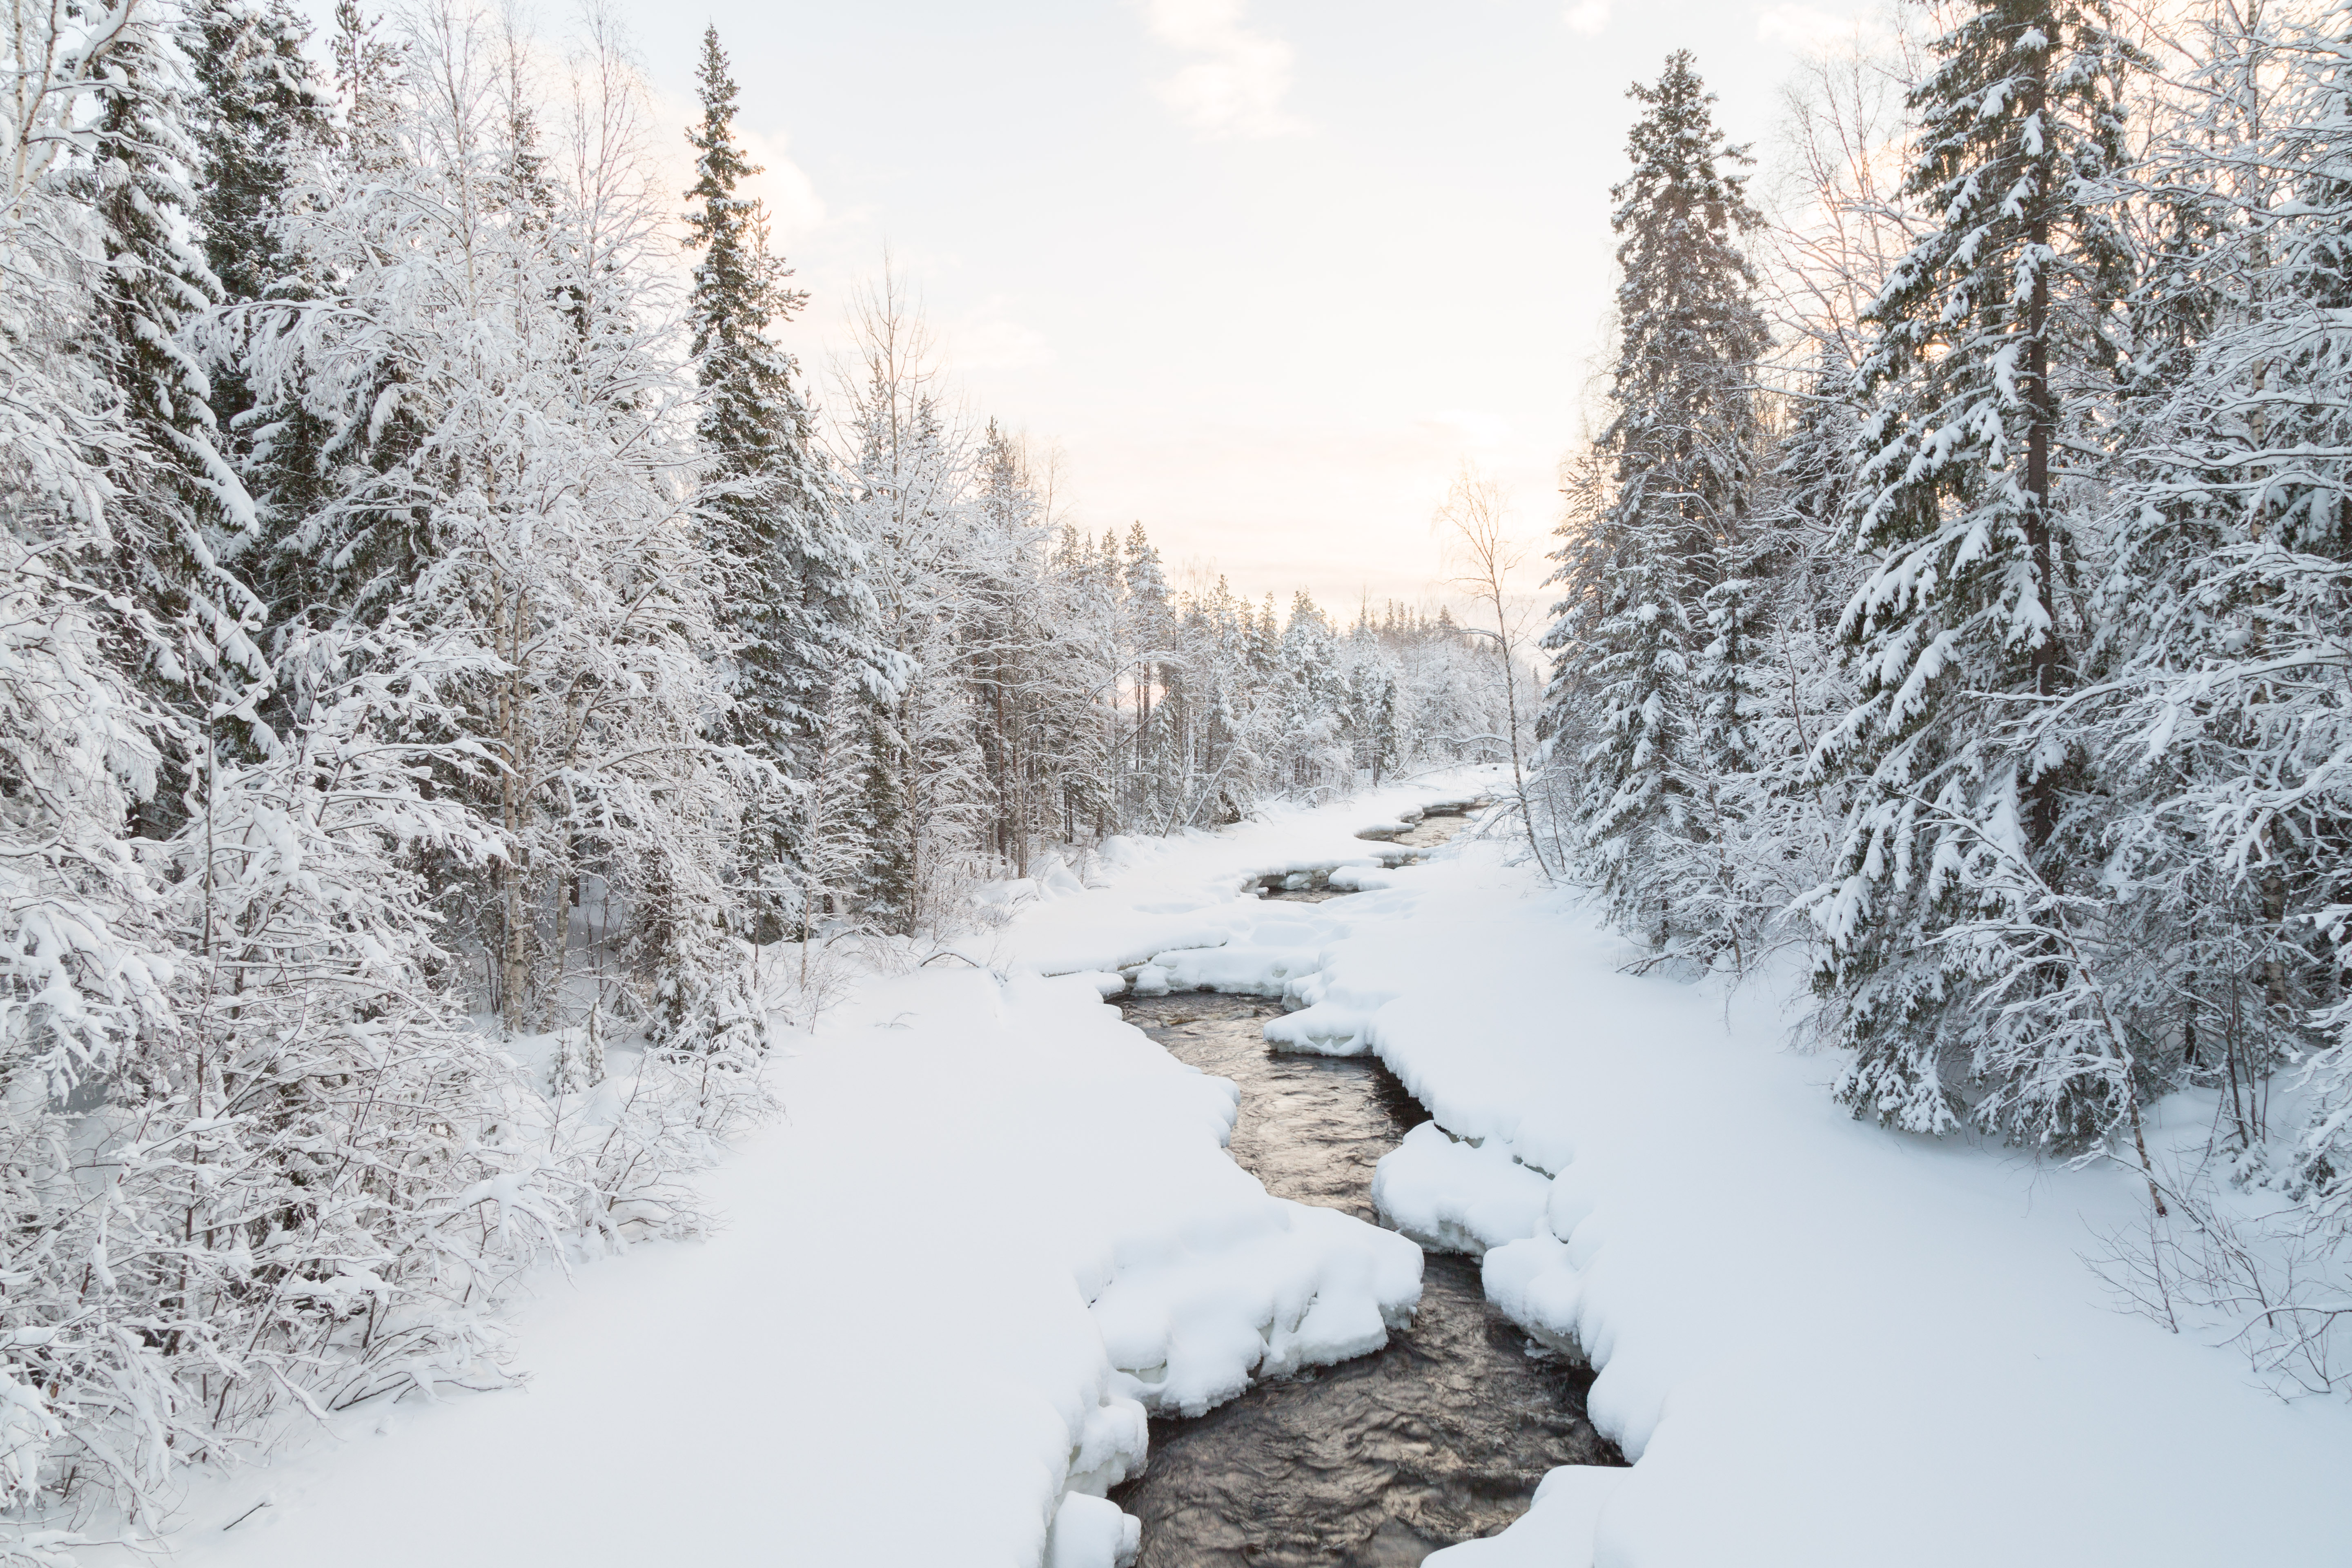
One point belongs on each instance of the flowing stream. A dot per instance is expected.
(1438, 1438)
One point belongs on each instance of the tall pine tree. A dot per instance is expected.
(795, 610)
(183, 510)
(1964, 626)
(2223, 709)
(1684, 440)
(258, 119)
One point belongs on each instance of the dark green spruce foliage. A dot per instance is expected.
(1685, 442)
(256, 117)
(258, 113)
(155, 283)
(1965, 621)
(180, 508)
(792, 603)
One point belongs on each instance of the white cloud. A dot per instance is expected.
(1237, 85)
(1801, 27)
(792, 198)
(1586, 16)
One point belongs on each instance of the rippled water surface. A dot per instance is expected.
(1438, 1438)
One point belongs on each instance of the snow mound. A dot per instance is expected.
(1192, 1322)
(1532, 1283)
(1243, 969)
(1557, 1531)
(1260, 951)
(1322, 1031)
(1327, 1019)
(1091, 1532)
(1455, 1196)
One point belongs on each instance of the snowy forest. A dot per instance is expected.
(457, 680)
(468, 687)
(1960, 592)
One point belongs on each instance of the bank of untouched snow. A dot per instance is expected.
(1825, 1345)
(997, 1227)
(994, 1228)
(1821, 1343)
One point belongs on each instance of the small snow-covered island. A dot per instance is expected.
(1176, 785)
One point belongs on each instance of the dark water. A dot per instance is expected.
(1432, 830)
(1438, 1438)
(1437, 827)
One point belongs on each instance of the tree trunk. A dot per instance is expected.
(2041, 419)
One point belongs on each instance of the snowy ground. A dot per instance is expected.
(994, 1228)
(1823, 1344)
(997, 1223)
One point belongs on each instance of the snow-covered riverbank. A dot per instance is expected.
(1823, 1344)
(886, 1356)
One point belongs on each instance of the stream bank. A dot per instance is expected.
(1439, 1437)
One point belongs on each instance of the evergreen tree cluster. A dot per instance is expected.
(1053, 690)
(1980, 625)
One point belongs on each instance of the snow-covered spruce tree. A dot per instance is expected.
(793, 607)
(1733, 684)
(182, 508)
(259, 113)
(1151, 624)
(1013, 649)
(1190, 763)
(1369, 669)
(2223, 714)
(261, 123)
(1090, 590)
(1797, 572)
(154, 281)
(1313, 753)
(885, 884)
(1684, 440)
(1984, 363)
(1222, 790)
(320, 560)
(2215, 974)
(256, 117)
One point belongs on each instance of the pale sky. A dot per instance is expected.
(1265, 270)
